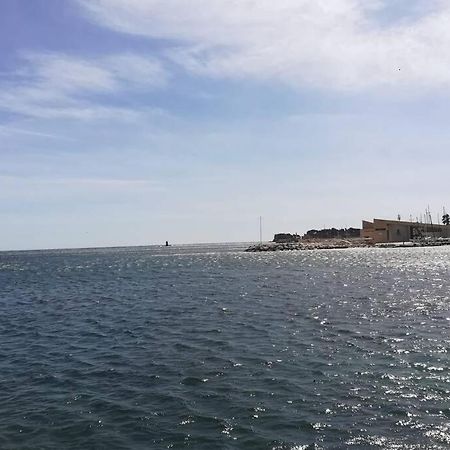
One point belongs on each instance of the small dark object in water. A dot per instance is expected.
(167, 243)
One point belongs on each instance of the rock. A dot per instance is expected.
(286, 238)
(310, 244)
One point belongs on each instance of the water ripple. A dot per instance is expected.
(209, 347)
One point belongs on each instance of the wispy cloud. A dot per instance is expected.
(55, 86)
(332, 44)
(62, 186)
(11, 131)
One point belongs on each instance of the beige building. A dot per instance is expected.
(381, 231)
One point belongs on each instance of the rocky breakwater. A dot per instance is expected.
(319, 244)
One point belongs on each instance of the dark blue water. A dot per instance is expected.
(213, 348)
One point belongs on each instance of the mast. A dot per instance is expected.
(260, 229)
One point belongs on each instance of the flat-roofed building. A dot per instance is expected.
(383, 231)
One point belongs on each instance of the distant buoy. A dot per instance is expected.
(167, 243)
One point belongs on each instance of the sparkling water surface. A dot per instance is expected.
(208, 347)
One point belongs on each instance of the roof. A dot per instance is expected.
(404, 222)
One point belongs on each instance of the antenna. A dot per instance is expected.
(260, 229)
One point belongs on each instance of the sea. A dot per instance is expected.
(209, 347)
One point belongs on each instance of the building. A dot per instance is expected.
(382, 231)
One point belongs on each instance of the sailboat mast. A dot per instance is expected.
(260, 229)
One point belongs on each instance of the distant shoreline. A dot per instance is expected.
(334, 244)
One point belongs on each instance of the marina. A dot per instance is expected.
(380, 233)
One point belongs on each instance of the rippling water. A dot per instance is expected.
(213, 348)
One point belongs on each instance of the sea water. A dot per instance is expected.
(208, 347)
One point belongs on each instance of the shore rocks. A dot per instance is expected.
(320, 244)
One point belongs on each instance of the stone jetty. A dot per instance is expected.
(310, 244)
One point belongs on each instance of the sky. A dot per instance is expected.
(133, 122)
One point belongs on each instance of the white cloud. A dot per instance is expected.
(327, 43)
(63, 73)
(53, 85)
(13, 131)
(137, 70)
(48, 188)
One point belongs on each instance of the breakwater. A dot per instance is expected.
(320, 244)
(330, 244)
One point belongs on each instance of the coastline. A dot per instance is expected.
(310, 244)
(334, 244)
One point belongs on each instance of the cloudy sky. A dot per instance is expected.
(128, 122)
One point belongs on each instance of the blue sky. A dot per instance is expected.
(128, 122)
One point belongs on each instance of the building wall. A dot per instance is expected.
(398, 232)
(380, 230)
